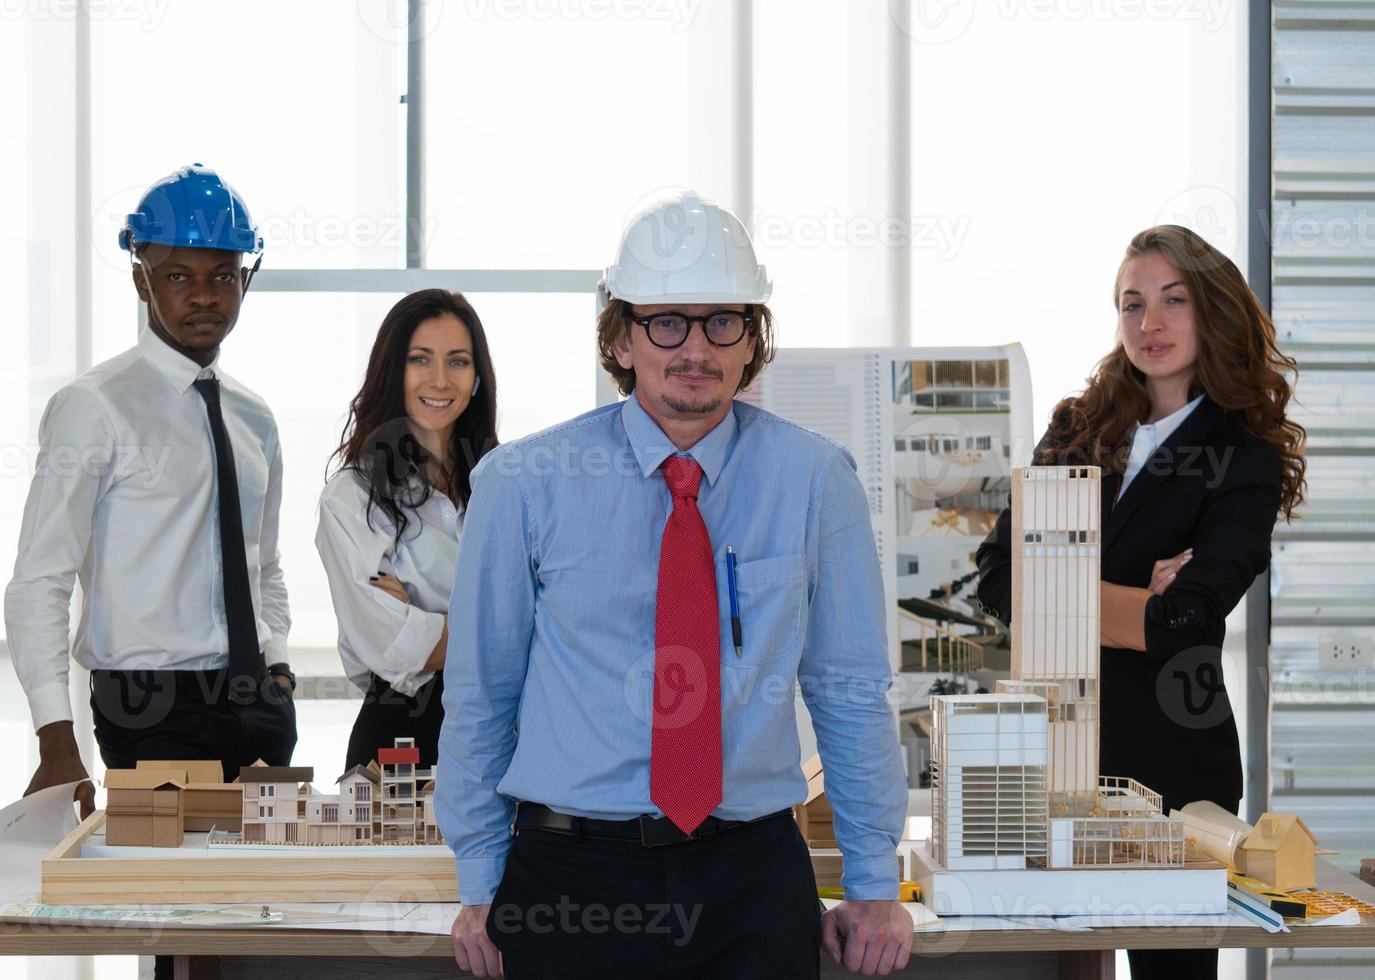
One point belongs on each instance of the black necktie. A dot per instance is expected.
(245, 659)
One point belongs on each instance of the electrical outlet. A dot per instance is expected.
(1346, 651)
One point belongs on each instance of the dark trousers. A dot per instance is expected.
(740, 904)
(1177, 964)
(187, 714)
(387, 714)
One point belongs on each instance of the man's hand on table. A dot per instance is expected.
(59, 762)
(473, 950)
(869, 937)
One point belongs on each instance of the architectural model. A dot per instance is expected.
(143, 809)
(207, 800)
(390, 803)
(815, 819)
(1015, 777)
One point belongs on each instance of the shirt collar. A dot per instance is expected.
(652, 447)
(1164, 428)
(175, 366)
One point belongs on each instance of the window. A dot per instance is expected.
(329, 813)
(362, 792)
(269, 790)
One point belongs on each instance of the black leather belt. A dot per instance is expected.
(645, 830)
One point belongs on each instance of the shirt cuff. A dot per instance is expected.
(871, 879)
(406, 658)
(48, 704)
(276, 651)
(478, 879)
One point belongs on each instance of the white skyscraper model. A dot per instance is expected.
(1017, 795)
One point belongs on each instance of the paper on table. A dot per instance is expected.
(394, 919)
(1346, 917)
(29, 829)
(922, 917)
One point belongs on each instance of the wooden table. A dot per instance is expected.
(202, 954)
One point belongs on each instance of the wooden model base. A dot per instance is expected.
(81, 871)
(1193, 889)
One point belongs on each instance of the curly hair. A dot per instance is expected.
(615, 318)
(1240, 368)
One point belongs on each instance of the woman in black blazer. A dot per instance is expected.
(1195, 365)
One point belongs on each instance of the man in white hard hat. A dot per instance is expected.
(639, 593)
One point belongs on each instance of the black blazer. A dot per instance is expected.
(1165, 717)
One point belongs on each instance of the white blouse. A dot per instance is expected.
(1147, 437)
(379, 634)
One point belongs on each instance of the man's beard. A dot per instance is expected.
(686, 407)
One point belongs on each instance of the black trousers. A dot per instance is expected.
(387, 714)
(187, 714)
(740, 904)
(1177, 964)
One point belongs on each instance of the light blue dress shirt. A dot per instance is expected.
(549, 674)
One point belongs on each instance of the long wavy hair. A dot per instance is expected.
(378, 441)
(1240, 368)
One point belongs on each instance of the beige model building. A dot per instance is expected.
(815, 819)
(390, 803)
(274, 803)
(1281, 851)
(988, 780)
(1055, 630)
(345, 817)
(209, 803)
(429, 822)
(401, 820)
(143, 808)
(1015, 774)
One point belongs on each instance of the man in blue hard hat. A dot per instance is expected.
(158, 485)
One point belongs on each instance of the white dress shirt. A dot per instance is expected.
(379, 634)
(124, 499)
(1148, 436)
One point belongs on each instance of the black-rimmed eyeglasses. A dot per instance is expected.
(723, 328)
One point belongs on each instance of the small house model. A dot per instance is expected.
(143, 809)
(274, 803)
(345, 817)
(1281, 851)
(208, 802)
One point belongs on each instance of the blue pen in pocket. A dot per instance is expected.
(737, 634)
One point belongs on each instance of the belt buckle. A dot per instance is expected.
(660, 831)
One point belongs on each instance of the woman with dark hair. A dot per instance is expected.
(391, 513)
(1186, 418)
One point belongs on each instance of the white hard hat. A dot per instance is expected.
(685, 250)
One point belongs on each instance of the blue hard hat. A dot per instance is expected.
(192, 208)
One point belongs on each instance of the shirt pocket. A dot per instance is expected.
(771, 597)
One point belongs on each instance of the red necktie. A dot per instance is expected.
(685, 749)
